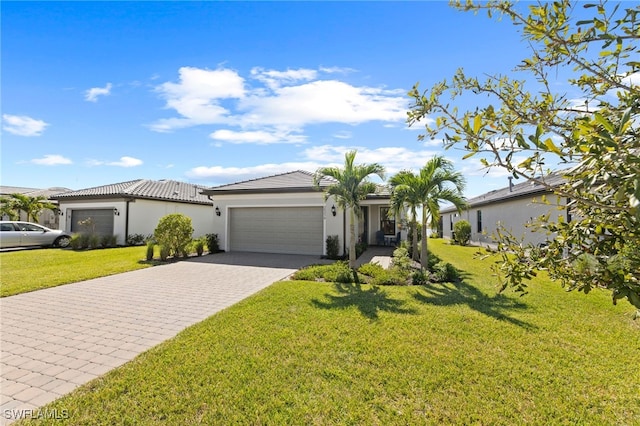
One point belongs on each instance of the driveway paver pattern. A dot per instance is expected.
(54, 340)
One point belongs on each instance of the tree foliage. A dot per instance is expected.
(32, 206)
(173, 233)
(588, 132)
(462, 230)
(351, 186)
(437, 181)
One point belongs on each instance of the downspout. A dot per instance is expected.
(126, 222)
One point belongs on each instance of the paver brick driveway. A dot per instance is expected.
(57, 339)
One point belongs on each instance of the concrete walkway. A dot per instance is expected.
(377, 254)
(54, 340)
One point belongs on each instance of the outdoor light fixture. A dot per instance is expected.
(218, 212)
(116, 212)
(59, 212)
(333, 210)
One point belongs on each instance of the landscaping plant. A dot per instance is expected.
(462, 232)
(174, 233)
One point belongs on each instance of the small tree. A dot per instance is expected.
(587, 124)
(462, 230)
(174, 232)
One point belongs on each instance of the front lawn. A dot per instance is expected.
(304, 352)
(28, 270)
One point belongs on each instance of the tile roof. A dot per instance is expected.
(297, 181)
(32, 192)
(166, 190)
(519, 190)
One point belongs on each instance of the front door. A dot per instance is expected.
(363, 225)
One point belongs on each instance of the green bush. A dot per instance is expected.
(94, 241)
(393, 276)
(150, 249)
(199, 246)
(333, 247)
(371, 269)
(462, 232)
(444, 272)
(338, 272)
(107, 241)
(76, 241)
(212, 243)
(419, 278)
(174, 233)
(138, 239)
(360, 248)
(401, 259)
(164, 253)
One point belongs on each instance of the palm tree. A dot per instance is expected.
(32, 206)
(437, 181)
(7, 208)
(351, 185)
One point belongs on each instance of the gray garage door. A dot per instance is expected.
(292, 230)
(102, 220)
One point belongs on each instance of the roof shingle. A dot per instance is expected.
(166, 190)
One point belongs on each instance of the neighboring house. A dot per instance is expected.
(285, 213)
(133, 207)
(48, 217)
(512, 207)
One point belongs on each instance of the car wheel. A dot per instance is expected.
(62, 242)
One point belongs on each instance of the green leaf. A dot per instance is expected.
(552, 147)
(477, 123)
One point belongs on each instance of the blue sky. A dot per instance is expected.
(216, 92)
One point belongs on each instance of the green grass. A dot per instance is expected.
(28, 270)
(317, 353)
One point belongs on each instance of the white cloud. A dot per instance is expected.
(274, 79)
(261, 137)
(393, 158)
(126, 162)
(23, 125)
(123, 162)
(51, 160)
(343, 134)
(284, 100)
(92, 94)
(196, 97)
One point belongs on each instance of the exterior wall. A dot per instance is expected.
(514, 215)
(332, 224)
(143, 215)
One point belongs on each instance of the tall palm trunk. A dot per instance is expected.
(352, 239)
(424, 254)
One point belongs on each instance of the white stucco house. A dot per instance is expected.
(134, 207)
(286, 213)
(513, 207)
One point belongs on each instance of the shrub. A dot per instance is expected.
(212, 243)
(164, 253)
(393, 276)
(419, 277)
(199, 246)
(76, 241)
(371, 269)
(444, 272)
(338, 272)
(107, 241)
(401, 259)
(150, 249)
(174, 233)
(138, 239)
(432, 260)
(462, 232)
(94, 241)
(333, 247)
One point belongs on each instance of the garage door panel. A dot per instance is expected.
(297, 230)
(102, 220)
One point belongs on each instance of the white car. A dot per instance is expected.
(26, 234)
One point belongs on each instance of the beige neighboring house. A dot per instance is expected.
(48, 217)
(285, 213)
(134, 207)
(513, 207)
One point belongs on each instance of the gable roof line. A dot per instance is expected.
(164, 190)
